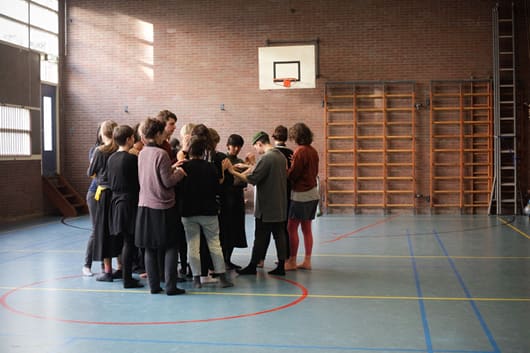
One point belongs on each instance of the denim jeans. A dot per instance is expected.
(210, 227)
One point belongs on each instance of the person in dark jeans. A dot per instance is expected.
(91, 203)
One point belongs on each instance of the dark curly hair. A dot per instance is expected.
(301, 134)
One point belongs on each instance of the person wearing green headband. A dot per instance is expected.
(269, 175)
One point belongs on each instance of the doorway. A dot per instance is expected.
(49, 129)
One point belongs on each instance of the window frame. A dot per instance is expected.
(49, 60)
(29, 27)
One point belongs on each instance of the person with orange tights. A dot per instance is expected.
(304, 194)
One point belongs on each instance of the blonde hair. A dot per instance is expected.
(186, 129)
(106, 130)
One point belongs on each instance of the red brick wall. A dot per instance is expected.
(204, 53)
(20, 190)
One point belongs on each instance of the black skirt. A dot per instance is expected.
(156, 228)
(105, 245)
(122, 214)
(232, 219)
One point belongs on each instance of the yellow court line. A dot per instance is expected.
(515, 228)
(280, 295)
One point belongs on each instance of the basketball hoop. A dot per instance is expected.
(285, 82)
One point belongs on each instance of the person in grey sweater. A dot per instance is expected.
(269, 175)
(156, 226)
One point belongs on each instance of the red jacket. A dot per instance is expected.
(304, 168)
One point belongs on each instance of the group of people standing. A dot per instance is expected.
(154, 206)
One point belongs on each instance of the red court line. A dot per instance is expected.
(343, 236)
(3, 302)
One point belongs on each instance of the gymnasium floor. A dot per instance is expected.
(379, 284)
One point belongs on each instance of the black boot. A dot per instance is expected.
(176, 291)
(249, 270)
(280, 270)
(132, 283)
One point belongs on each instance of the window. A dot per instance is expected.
(14, 32)
(44, 18)
(15, 132)
(47, 123)
(51, 4)
(15, 9)
(43, 41)
(33, 24)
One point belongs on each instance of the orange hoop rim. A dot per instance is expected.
(285, 81)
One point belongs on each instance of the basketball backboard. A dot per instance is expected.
(295, 63)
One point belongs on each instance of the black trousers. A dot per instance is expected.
(153, 269)
(262, 237)
(127, 255)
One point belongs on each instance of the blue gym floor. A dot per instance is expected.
(379, 284)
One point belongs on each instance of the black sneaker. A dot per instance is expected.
(104, 277)
(176, 291)
(249, 270)
(132, 283)
(277, 272)
(118, 274)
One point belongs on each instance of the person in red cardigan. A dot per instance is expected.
(304, 194)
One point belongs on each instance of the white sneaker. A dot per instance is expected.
(87, 272)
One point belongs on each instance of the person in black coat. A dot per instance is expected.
(122, 172)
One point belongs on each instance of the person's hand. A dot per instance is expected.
(181, 171)
(227, 165)
(240, 167)
(179, 163)
(250, 159)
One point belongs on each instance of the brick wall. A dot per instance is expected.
(21, 190)
(192, 56)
